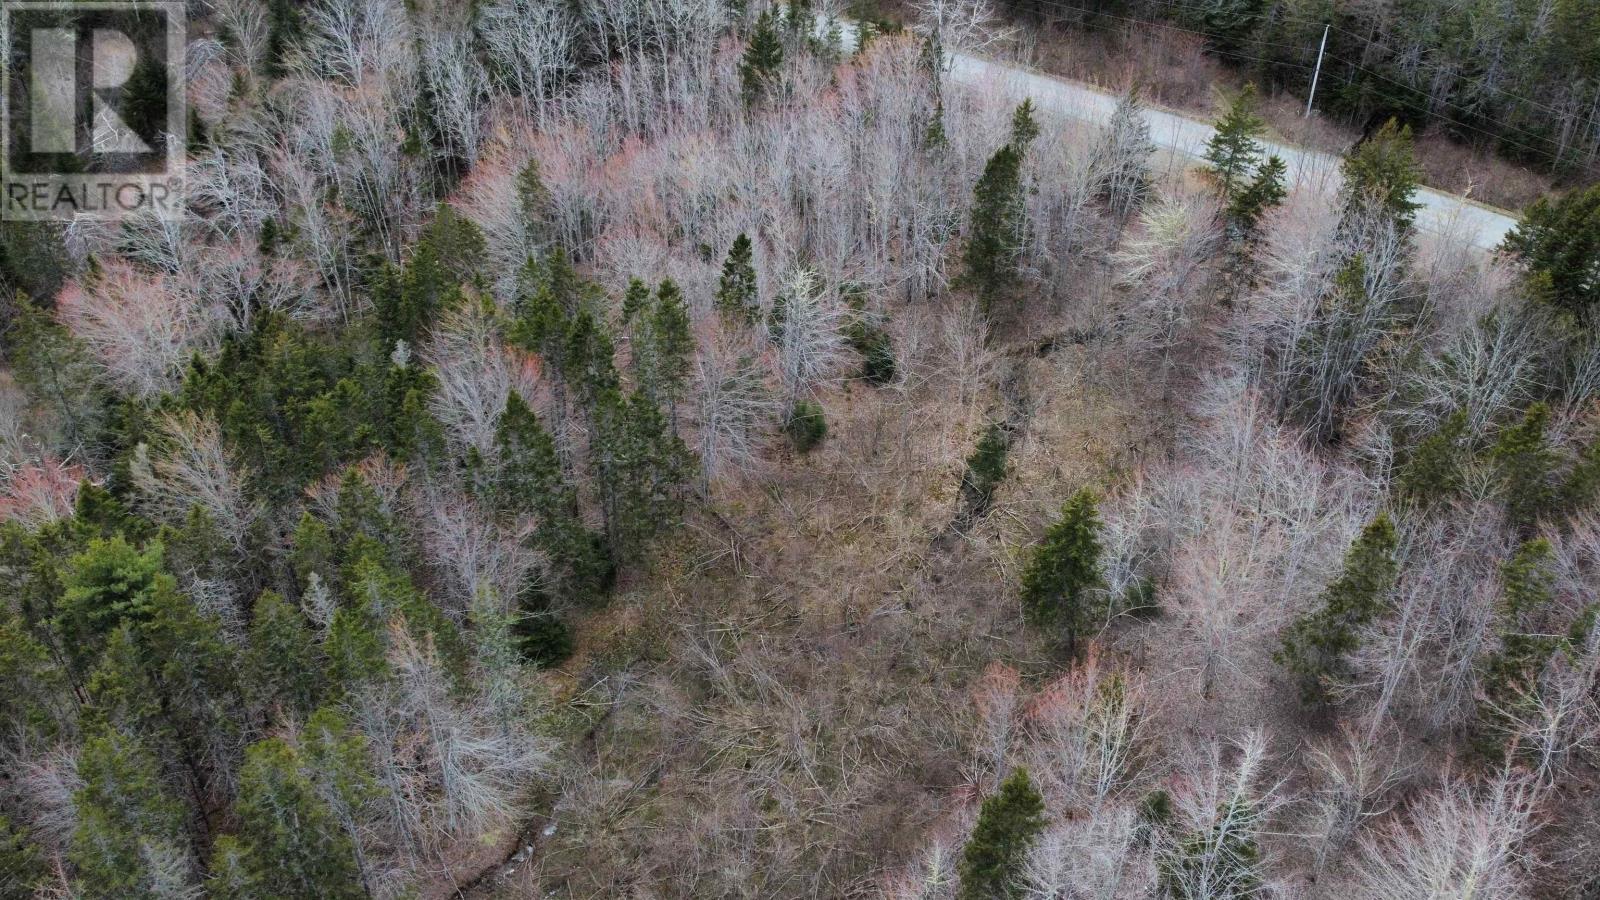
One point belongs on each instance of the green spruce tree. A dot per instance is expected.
(671, 349)
(763, 59)
(142, 103)
(1234, 151)
(736, 289)
(109, 583)
(528, 480)
(290, 846)
(999, 223)
(1264, 193)
(284, 28)
(642, 466)
(994, 243)
(806, 425)
(284, 662)
(129, 833)
(22, 865)
(1316, 645)
(1557, 245)
(1525, 463)
(1008, 824)
(1432, 470)
(1062, 578)
(1511, 671)
(635, 299)
(986, 468)
(1381, 177)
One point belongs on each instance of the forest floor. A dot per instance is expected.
(792, 682)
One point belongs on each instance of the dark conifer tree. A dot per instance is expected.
(129, 839)
(1234, 151)
(736, 290)
(1557, 244)
(1381, 177)
(986, 468)
(1062, 577)
(671, 352)
(289, 845)
(1008, 824)
(1525, 463)
(994, 244)
(763, 59)
(1316, 644)
(284, 662)
(1432, 470)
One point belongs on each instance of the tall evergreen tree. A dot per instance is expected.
(635, 299)
(642, 466)
(736, 289)
(283, 31)
(336, 758)
(57, 371)
(1228, 23)
(110, 582)
(450, 252)
(1582, 485)
(1512, 670)
(283, 662)
(129, 840)
(1063, 573)
(1265, 192)
(763, 59)
(529, 480)
(1525, 464)
(22, 866)
(1024, 127)
(1316, 645)
(999, 215)
(170, 679)
(290, 846)
(35, 691)
(1381, 177)
(1557, 244)
(994, 245)
(1234, 151)
(142, 103)
(670, 349)
(1008, 824)
(1433, 469)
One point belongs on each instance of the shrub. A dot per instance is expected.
(806, 426)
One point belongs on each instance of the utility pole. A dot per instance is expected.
(1318, 71)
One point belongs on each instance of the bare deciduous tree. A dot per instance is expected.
(189, 467)
(808, 322)
(141, 329)
(1458, 841)
(735, 407)
(1355, 780)
(475, 373)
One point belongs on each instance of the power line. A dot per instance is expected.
(1435, 66)
(1147, 22)
(1353, 65)
(1463, 109)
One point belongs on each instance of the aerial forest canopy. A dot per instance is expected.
(704, 449)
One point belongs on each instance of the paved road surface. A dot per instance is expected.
(1440, 212)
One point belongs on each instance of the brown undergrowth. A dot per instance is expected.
(783, 703)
